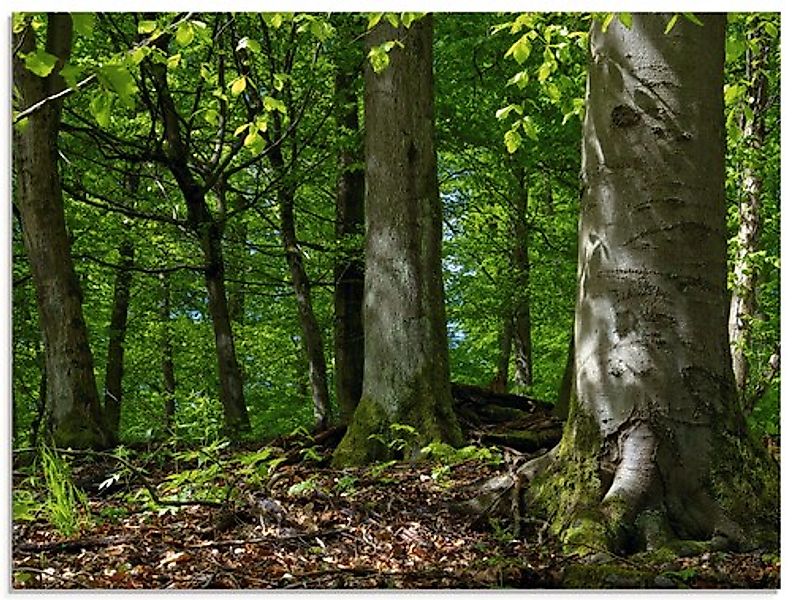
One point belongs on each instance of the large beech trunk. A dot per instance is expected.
(114, 372)
(654, 438)
(349, 268)
(406, 374)
(74, 415)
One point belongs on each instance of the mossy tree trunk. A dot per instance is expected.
(406, 373)
(74, 413)
(654, 447)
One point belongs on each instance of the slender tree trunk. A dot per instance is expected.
(74, 414)
(500, 382)
(523, 361)
(349, 268)
(406, 375)
(168, 373)
(311, 332)
(115, 347)
(209, 233)
(567, 388)
(236, 267)
(654, 445)
(744, 306)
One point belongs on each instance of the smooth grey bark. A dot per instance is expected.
(521, 272)
(406, 373)
(74, 414)
(744, 304)
(114, 371)
(209, 233)
(653, 427)
(349, 267)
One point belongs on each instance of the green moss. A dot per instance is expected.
(78, 430)
(356, 448)
(606, 577)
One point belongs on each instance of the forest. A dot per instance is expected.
(395, 300)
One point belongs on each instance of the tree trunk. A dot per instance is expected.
(523, 362)
(311, 332)
(209, 233)
(406, 374)
(744, 306)
(115, 347)
(653, 446)
(74, 414)
(349, 268)
(500, 383)
(168, 373)
(567, 388)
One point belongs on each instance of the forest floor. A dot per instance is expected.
(384, 527)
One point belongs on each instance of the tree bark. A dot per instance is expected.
(523, 361)
(114, 371)
(406, 374)
(209, 233)
(500, 383)
(654, 439)
(744, 305)
(311, 332)
(349, 268)
(567, 388)
(74, 414)
(168, 372)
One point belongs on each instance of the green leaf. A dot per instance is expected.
(732, 92)
(279, 80)
(249, 44)
(520, 50)
(771, 29)
(100, 107)
(147, 27)
(521, 80)
(238, 85)
(41, 63)
(393, 19)
(544, 70)
(121, 81)
(513, 140)
(137, 55)
(271, 104)
(83, 23)
(693, 19)
(70, 74)
(273, 20)
(173, 61)
(504, 112)
(18, 22)
(254, 141)
(211, 116)
(529, 128)
(671, 22)
(408, 18)
(607, 21)
(241, 128)
(379, 59)
(626, 19)
(553, 92)
(735, 47)
(261, 123)
(374, 18)
(185, 34)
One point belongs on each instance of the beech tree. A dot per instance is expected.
(655, 446)
(74, 415)
(406, 375)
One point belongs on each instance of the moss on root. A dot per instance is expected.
(77, 430)
(606, 577)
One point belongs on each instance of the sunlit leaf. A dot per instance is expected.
(83, 23)
(671, 22)
(100, 107)
(184, 34)
(238, 85)
(40, 62)
(146, 26)
(513, 140)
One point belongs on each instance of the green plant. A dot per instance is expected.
(346, 485)
(63, 502)
(304, 487)
(448, 455)
(400, 438)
